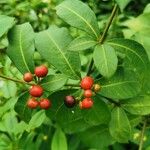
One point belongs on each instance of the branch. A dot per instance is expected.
(15, 80)
(113, 13)
(142, 135)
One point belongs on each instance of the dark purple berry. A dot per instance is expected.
(69, 101)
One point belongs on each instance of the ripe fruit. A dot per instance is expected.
(28, 77)
(41, 71)
(69, 101)
(88, 93)
(32, 103)
(86, 103)
(36, 91)
(45, 103)
(87, 83)
(96, 87)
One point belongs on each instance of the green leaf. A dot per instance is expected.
(69, 119)
(3, 42)
(96, 137)
(81, 43)
(105, 60)
(9, 89)
(36, 120)
(79, 15)
(53, 82)
(119, 125)
(7, 106)
(59, 141)
(138, 105)
(5, 24)
(135, 56)
(21, 47)
(21, 107)
(120, 86)
(98, 114)
(52, 45)
(122, 3)
(139, 24)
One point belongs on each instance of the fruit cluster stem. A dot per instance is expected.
(15, 80)
(113, 13)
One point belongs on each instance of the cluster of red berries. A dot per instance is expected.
(36, 90)
(87, 84)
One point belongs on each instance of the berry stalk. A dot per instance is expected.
(15, 80)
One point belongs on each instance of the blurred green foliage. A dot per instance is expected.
(41, 14)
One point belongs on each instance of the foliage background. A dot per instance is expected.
(41, 132)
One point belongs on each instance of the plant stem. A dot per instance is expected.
(142, 135)
(15, 80)
(113, 13)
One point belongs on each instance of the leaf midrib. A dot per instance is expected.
(119, 45)
(118, 83)
(105, 59)
(60, 51)
(21, 50)
(87, 23)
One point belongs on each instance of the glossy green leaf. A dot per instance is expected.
(21, 107)
(105, 60)
(21, 47)
(144, 40)
(120, 86)
(96, 137)
(79, 15)
(138, 105)
(122, 3)
(98, 114)
(72, 120)
(59, 141)
(36, 120)
(52, 45)
(119, 125)
(135, 56)
(82, 43)
(5, 24)
(53, 82)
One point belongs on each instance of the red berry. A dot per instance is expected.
(88, 93)
(28, 77)
(69, 101)
(32, 103)
(41, 71)
(87, 83)
(45, 103)
(86, 103)
(36, 91)
(96, 87)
